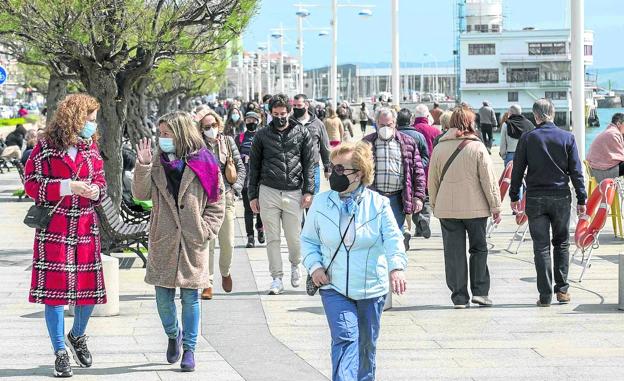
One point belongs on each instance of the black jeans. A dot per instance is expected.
(249, 216)
(454, 240)
(424, 214)
(486, 132)
(363, 125)
(546, 212)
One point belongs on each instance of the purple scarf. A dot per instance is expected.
(204, 165)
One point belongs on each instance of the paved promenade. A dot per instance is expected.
(248, 335)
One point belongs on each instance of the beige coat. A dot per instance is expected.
(335, 129)
(178, 238)
(470, 187)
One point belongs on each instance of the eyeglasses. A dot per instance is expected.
(213, 125)
(339, 169)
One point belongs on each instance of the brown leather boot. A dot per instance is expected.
(207, 293)
(563, 297)
(226, 283)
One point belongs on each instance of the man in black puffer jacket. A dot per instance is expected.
(281, 185)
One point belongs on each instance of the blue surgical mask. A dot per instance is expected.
(166, 145)
(235, 117)
(88, 130)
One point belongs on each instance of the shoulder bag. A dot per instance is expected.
(230, 167)
(311, 288)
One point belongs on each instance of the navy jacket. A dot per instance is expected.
(551, 155)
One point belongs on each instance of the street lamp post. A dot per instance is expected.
(396, 92)
(577, 32)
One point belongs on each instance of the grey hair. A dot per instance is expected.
(515, 110)
(422, 111)
(386, 111)
(544, 109)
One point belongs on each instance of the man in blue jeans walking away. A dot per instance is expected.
(552, 159)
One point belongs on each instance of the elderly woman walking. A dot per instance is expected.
(352, 269)
(65, 171)
(463, 192)
(184, 183)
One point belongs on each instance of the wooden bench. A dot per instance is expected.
(119, 234)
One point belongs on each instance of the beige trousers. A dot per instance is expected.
(281, 208)
(226, 240)
(12, 153)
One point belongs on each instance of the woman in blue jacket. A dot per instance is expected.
(356, 227)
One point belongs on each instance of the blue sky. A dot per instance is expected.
(425, 27)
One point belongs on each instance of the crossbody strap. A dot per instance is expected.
(450, 160)
(73, 179)
(341, 242)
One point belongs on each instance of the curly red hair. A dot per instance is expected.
(69, 119)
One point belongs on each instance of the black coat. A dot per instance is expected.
(282, 160)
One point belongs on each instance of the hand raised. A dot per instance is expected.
(144, 151)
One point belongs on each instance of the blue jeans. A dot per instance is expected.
(396, 203)
(55, 321)
(509, 156)
(546, 213)
(354, 327)
(165, 302)
(317, 179)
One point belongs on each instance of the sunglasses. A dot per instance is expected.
(339, 169)
(213, 125)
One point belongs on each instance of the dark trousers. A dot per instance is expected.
(424, 214)
(363, 124)
(454, 240)
(546, 213)
(249, 216)
(486, 132)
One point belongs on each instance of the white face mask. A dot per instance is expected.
(211, 133)
(385, 132)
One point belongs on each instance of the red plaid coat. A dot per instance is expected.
(67, 268)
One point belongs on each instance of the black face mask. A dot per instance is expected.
(339, 183)
(299, 112)
(280, 121)
(251, 126)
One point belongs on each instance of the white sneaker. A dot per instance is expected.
(277, 287)
(295, 276)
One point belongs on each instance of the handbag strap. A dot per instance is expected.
(341, 243)
(450, 160)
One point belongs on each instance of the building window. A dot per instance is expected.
(495, 28)
(556, 95)
(481, 28)
(481, 75)
(481, 49)
(522, 75)
(589, 50)
(469, 28)
(512, 96)
(547, 48)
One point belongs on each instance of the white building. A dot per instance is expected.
(508, 67)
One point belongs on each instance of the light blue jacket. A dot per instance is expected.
(377, 249)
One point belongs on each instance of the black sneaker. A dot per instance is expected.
(250, 242)
(79, 350)
(423, 227)
(62, 368)
(261, 236)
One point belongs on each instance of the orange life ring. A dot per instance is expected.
(590, 224)
(505, 180)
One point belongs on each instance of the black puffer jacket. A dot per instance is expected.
(282, 160)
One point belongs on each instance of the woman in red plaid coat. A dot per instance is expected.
(65, 167)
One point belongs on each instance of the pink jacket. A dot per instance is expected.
(607, 149)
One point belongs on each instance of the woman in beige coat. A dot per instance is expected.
(184, 183)
(463, 198)
(334, 127)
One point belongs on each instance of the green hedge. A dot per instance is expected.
(16, 121)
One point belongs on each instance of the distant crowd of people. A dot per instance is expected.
(352, 240)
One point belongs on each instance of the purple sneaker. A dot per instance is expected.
(174, 348)
(188, 361)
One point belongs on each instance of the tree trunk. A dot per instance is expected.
(103, 85)
(57, 89)
(137, 124)
(185, 102)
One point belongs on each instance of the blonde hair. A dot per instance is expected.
(204, 113)
(362, 159)
(186, 136)
(445, 120)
